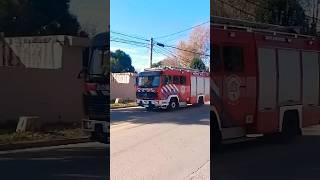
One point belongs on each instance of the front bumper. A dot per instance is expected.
(153, 103)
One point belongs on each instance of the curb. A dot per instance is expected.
(37, 144)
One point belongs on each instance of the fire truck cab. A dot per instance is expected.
(171, 88)
(262, 81)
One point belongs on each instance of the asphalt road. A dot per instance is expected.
(160, 145)
(265, 160)
(85, 161)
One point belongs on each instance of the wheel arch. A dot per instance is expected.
(290, 109)
(217, 117)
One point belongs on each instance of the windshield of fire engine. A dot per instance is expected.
(148, 81)
(99, 62)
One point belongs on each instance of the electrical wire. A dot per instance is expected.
(168, 35)
(132, 36)
(126, 42)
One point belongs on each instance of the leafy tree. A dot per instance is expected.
(158, 64)
(282, 12)
(120, 62)
(37, 17)
(196, 45)
(198, 64)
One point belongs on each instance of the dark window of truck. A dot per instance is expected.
(167, 79)
(176, 79)
(216, 61)
(233, 58)
(183, 80)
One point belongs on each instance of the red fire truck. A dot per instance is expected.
(264, 80)
(170, 88)
(96, 88)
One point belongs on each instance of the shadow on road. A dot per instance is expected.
(69, 163)
(186, 116)
(265, 159)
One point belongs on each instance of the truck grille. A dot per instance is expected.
(146, 95)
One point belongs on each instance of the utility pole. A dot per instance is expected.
(151, 49)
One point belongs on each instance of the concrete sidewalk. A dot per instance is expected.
(311, 130)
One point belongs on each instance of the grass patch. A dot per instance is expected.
(14, 137)
(123, 105)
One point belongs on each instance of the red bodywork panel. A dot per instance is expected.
(237, 92)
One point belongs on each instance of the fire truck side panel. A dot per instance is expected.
(310, 69)
(200, 87)
(289, 77)
(297, 79)
(193, 89)
(207, 88)
(267, 95)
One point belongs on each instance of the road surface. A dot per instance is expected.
(160, 145)
(265, 160)
(85, 161)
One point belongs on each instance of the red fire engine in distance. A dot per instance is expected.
(171, 88)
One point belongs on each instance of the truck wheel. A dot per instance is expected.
(149, 108)
(290, 127)
(104, 138)
(216, 137)
(173, 104)
(201, 101)
(93, 136)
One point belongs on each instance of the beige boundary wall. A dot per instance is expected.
(122, 85)
(38, 77)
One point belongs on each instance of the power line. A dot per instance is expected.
(168, 45)
(155, 43)
(158, 52)
(164, 45)
(128, 40)
(174, 54)
(164, 36)
(130, 43)
(170, 55)
(132, 36)
(175, 38)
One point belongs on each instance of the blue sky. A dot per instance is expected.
(154, 18)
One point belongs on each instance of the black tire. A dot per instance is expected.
(216, 140)
(149, 108)
(173, 104)
(201, 101)
(290, 127)
(93, 136)
(105, 138)
(216, 136)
